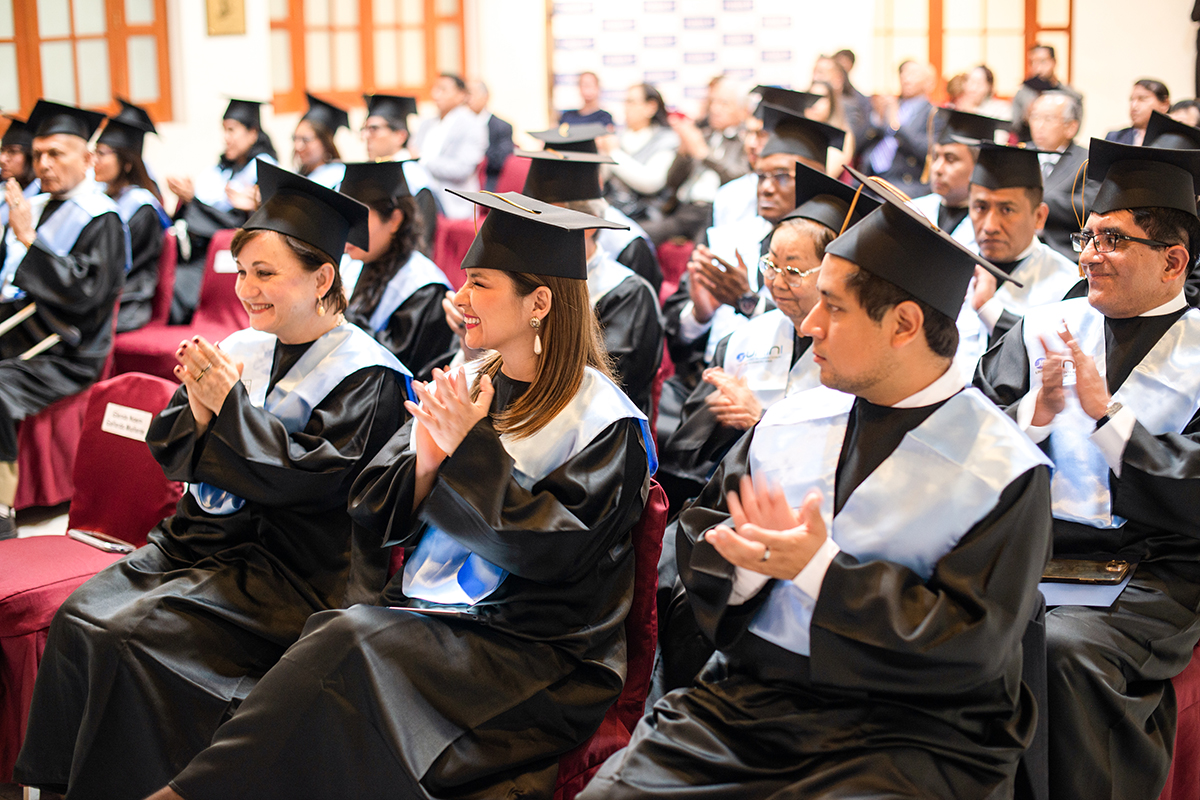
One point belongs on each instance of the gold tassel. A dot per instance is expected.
(929, 152)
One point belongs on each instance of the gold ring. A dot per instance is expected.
(208, 366)
(766, 554)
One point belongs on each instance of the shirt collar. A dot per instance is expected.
(1177, 303)
(949, 384)
(85, 186)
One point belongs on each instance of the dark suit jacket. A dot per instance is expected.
(912, 144)
(1123, 136)
(500, 147)
(1062, 221)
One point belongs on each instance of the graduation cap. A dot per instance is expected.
(326, 114)
(128, 129)
(392, 107)
(827, 200)
(528, 235)
(795, 102)
(1000, 166)
(374, 181)
(572, 138)
(18, 134)
(308, 211)
(897, 243)
(797, 135)
(245, 112)
(49, 118)
(1162, 131)
(557, 176)
(956, 125)
(1142, 177)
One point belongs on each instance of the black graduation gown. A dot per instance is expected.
(145, 660)
(638, 256)
(416, 332)
(913, 688)
(146, 241)
(633, 336)
(78, 290)
(413, 699)
(1112, 706)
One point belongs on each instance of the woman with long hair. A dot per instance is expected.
(827, 105)
(1146, 96)
(500, 644)
(644, 151)
(269, 430)
(397, 297)
(120, 167)
(314, 154)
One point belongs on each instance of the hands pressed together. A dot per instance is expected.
(733, 404)
(20, 216)
(769, 536)
(209, 374)
(713, 283)
(1090, 386)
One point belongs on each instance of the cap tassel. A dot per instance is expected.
(928, 152)
(510, 202)
(1081, 213)
(850, 213)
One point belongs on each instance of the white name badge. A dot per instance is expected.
(224, 262)
(132, 423)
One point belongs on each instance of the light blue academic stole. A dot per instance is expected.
(33, 189)
(416, 273)
(210, 184)
(329, 175)
(441, 570)
(761, 352)
(1163, 391)
(331, 359)
(133, 198)
(945, 476)
(615, 240)
(59, 233)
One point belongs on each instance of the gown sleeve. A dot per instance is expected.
(1003, 372)
(554, 532)
(700, 441)
(633, 337)
(1159, 485)
(146, 242)
(247, 451)
(83, 280)
(417, 331)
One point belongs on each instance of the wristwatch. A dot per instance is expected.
(1109, 413)
(747, 303)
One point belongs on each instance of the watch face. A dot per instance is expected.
(746, 303)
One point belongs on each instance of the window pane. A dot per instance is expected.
(345, 12)
(10, 96)
(279, 10)
(412, 58)
(139, 12)
(1053, 13)
(316, 13)
(386, 68)
(908, 15)
(383, 13)
(963, 15)
(961, 52)
(58, 72)
(1006, 14)
(1006, 55)
(449, 48)
(317, 69)
(412, 12)
(89, 17)
(143, 69)
(447, 8)
(281, 61)
(6, 24)
(54, 20)
(347, 64)
(94, 89)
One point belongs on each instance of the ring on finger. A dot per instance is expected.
(766, 556)
(203, 372)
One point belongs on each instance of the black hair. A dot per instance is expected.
(652, 95)
(1172, 226)
(459, 83)
(376, 275)
(1048, 48)
(1156, 88)
(877, 295)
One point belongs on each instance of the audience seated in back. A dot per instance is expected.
(1041, 66)
(979, 95)
(500, 133)
(1054, 119)
(451, 145)
(16, 161)
(385, 133)
(590, 111)
(897, 137)
(826, 106)
(643, 151)
(1146, 96)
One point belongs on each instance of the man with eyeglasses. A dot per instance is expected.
(1109, 385)
(385, 133)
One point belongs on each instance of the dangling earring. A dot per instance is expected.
(536, 323)
(320, 307)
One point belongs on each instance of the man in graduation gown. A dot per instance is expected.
(1006, 212)
(1109, 385)
(870, 640)
(722, 288)
(66, 253)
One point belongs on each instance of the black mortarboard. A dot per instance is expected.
(374, 181)
(795, 102)
(128, 129)
(572, 138)
(17, 134)
(49, 118)
(1142, 177)
(392, 107)
(897, 243)
(245, 112)
(326, 114)
(797, 135)
(1162, 131)
(558, 176)
(1002, 167)
(951, 123)
(308, 211)
(530, 236)
(827, 200)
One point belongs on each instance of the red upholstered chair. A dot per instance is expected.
(160, 308)
(1183, 782)
(578, 766)
(218, 314)
(672, 259)
(121, 491)
(512, 174)
(454, 237)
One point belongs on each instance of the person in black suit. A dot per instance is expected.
(1054, 119)
(500, 133)
(898, 136)
(1147, 96)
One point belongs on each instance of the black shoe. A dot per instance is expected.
(8, 523)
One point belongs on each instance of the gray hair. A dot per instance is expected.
(1072, 105)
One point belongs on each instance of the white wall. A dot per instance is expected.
(1115, 43)
(506, 49)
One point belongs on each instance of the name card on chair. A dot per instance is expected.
(132, 423)
(224, 263)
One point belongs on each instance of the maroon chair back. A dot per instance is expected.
(160, 307)
(1183, 781)
(672, 259)
(120, 489)
(453, 240)
(219, 308)
(512, 174)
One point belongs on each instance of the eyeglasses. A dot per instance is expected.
(371, 130)
(303, 140)
(790, 275)
(782, 178)
(1107, 242)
